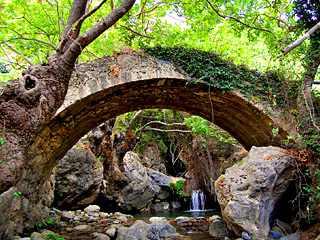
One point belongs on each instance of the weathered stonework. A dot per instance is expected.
(108, 87)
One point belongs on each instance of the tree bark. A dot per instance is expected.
(26, 107)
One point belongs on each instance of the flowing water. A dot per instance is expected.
(197, 201)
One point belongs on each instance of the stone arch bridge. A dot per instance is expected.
(110, 86)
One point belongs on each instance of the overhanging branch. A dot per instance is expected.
(19, 53)
(77, 46)
(131, 30)
(301, 40)
(238, 20)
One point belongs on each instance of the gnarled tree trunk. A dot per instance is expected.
(26, 107)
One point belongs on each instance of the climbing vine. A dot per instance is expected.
(216, 72)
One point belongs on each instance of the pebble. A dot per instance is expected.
(122, 219)
(92, 208)
(111, 232)
(100, 236)
(214, 217)
(158, 219)
(81, 228)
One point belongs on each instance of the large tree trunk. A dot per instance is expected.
(26, 105)
(312, 62)
(26, 108)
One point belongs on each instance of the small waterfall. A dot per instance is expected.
(197, 201)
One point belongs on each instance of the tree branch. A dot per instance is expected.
(19, 53)
(167, 130)
(140, 34)
(134, 118)
(301, 40)
(42, 30)
(30, 39)
(95, 31)
(239, 21)
(143, 128)
(78, 25)
(78, 9)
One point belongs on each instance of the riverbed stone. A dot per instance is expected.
(67, 215)
(293, 236)
(100, 236)
(144, 231)
(81, 228)
(111, 232)
(92, 209)
(248, 191)
(219, 229)
(214, 217)
(157, 219)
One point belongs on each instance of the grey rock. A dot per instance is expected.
(100, 236)
(81, 228)
(92, 209)
(281, 227)
(293, 236)
(78, 179)
(176, 205)
(139, 192)
(159, 178)
(219, 229)
(249, 190)
(152, 158)
(143, 231)
(67, 215)
(160, 207)
(111, 232)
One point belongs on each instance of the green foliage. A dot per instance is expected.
(200, 126)
(52, 236)
(222, 74)
(18, 194)
(313, 193)
(177, 188)
(1, 140)
(38, 226)
(151, 137)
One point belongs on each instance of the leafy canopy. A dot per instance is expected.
(29, 38)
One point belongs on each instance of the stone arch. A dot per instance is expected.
(107, 87)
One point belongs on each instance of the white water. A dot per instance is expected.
(197, 201)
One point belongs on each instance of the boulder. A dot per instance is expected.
(139, 192)
(144, 231)
(219, 229)
(160, 183)
(78, 178)
(152, 158)
(249, 190)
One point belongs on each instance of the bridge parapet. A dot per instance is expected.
(92, 77)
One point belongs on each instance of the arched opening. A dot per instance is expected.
(244, 121)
